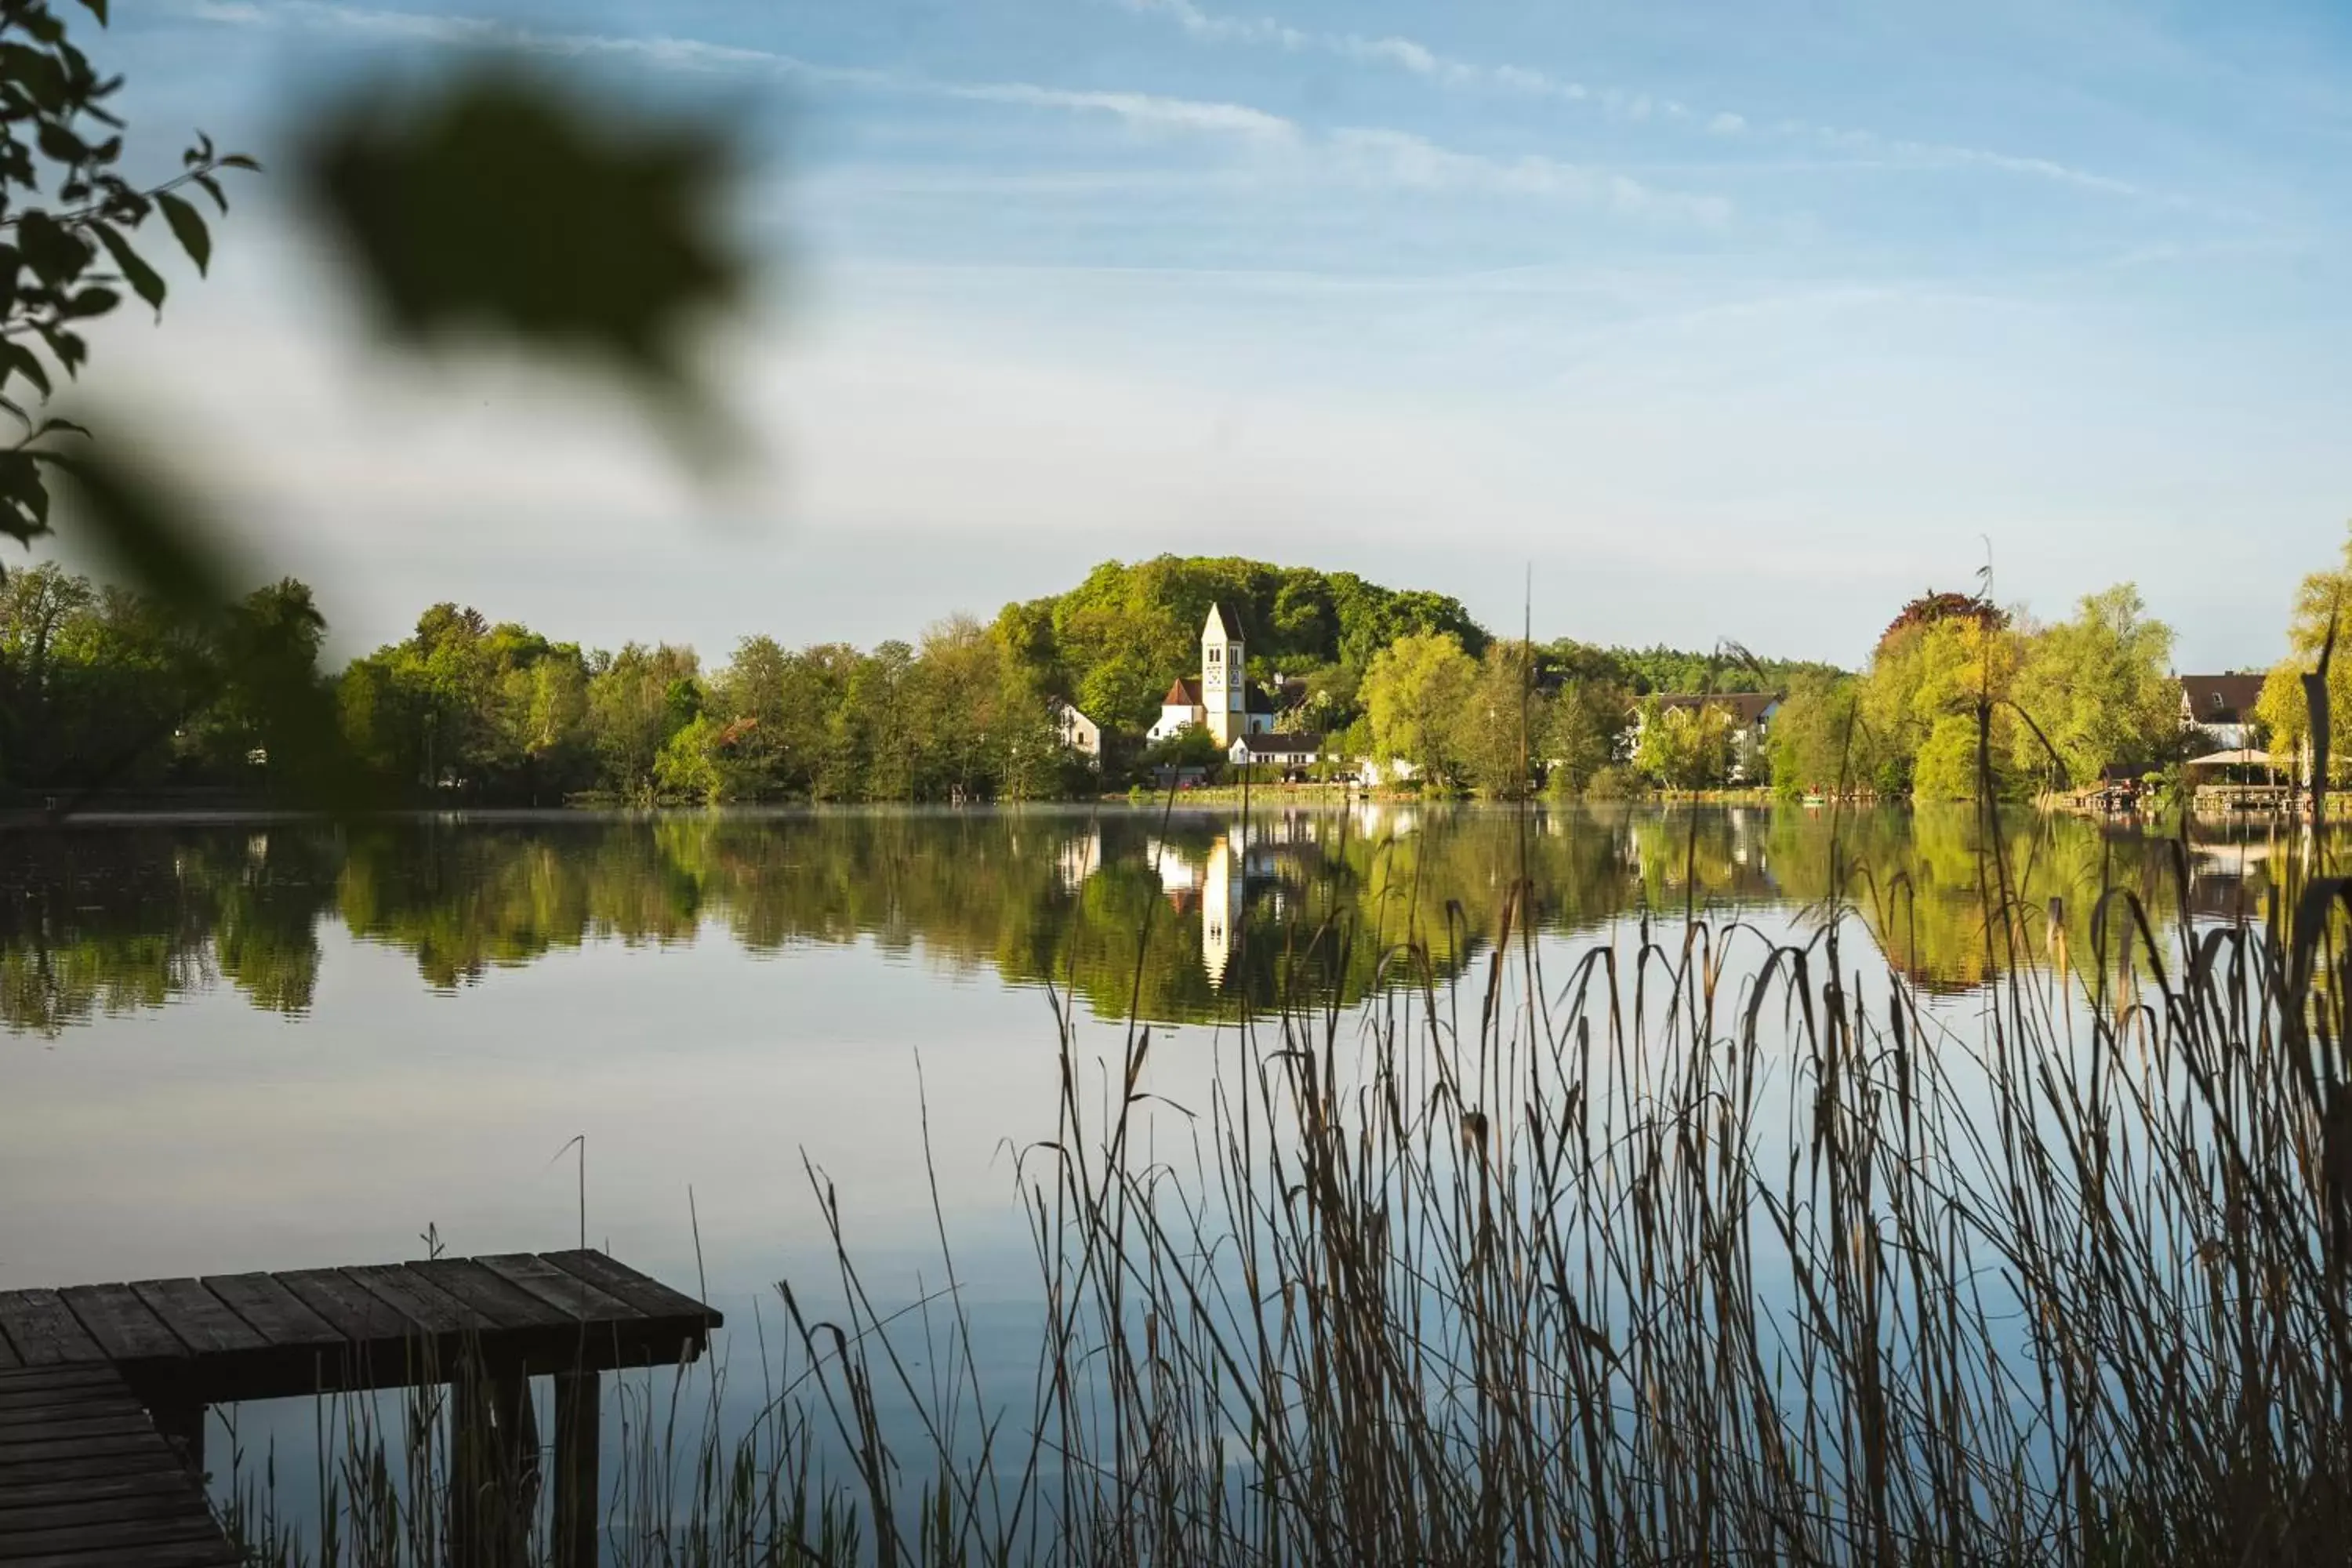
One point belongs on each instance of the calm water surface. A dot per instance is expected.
(267, 1045)
(252, 1045)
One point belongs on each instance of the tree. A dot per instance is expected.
(74, 229)
(1413, 693)
(1931, 670)
(2097, 689)
(2322, 600)
(1686, 746)
(640, 698)
(1502, 729)
(1816, 743)
(1587, 718)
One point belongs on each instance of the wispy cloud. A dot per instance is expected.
(1362, 156)
(1399, 159)
(1137, 108)
(1627, 104)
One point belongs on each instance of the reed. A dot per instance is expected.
(1709, 1244)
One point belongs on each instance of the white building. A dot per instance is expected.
(1221, 699)
(2222, 707)
(1077, 732)
(1273, 749)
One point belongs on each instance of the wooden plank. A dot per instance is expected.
(43, 1332)
(18, 1403)
(643, 1292)
(416, 1299)
(43, 1380)
(69, 1426)
(215, 1553)
(96, 1447)
(16, 1417)
(86, 1509)
(356, 1315)
(201, 1320)
(107, 1544)
(271, 1310)
(84, 1468)
(9, 1360)
(567, 1292)
(162, 1481)
(507, 1305)
(121, 1323)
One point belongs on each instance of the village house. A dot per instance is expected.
(1296, 751)
(1076, 730)
(2221, 708)
(1751, 714)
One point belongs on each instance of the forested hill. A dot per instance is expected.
(1114, 642)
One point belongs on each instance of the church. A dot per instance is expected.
(1236, 712)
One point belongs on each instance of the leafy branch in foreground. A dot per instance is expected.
(71, 229)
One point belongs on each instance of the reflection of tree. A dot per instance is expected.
(1106, 910)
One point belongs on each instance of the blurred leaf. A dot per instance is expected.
(150, 530)
(144, 281)
(188, 227)
(96, 8)
(16, 359)
(507, 204)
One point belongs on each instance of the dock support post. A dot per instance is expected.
(494, 1465)
(577, 1441)
(183, 1422)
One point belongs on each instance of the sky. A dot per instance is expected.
(1686, 322)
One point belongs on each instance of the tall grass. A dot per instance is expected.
(1715, 1244)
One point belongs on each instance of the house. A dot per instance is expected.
(1076, 730)
(1295, 751)
(2222, 707)
(1751, 714)
(1221, 699)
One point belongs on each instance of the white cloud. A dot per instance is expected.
(1139, 109)
(1199, 24)
(1397, 158)
(1358, 155)
(1626, 103)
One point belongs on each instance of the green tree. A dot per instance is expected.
(636, 701)
(2098, 689)
(2321, 600)
(1414, 692)
(1685, 746)
(1816, 743)
(1502, 730)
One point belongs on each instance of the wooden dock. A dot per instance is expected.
(104, 1390)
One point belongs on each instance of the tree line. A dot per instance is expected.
(103, 688)
(1961, 692)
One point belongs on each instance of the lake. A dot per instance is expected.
(269, 1045)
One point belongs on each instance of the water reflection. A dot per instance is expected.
(1185, 914)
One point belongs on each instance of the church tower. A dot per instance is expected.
(1223, 687)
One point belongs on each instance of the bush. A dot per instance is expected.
(1615, 782)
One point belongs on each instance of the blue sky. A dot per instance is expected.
(1724, 319)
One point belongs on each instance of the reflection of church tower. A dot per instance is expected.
(1223, 687)
(1221, 909)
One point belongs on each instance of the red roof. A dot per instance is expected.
(1185, 693)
